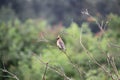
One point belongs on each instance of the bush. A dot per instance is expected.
(19, 43)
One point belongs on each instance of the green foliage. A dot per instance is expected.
(114, 25)
(18, 38)
(96, 74)
(19, 45)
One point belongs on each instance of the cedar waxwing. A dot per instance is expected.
(60, 43)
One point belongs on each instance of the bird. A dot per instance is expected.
(60, 43)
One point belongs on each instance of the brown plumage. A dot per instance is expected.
(60, 43)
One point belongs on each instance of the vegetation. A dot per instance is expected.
(28, 49)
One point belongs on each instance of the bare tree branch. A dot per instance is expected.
(10, 73)
(74, 65)
(45, 72)
(110, 60)
(93, 59)
(58, 71)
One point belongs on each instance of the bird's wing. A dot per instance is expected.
(62, 45)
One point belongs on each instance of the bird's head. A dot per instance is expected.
(58, 37)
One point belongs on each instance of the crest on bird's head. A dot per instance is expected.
(58, 37)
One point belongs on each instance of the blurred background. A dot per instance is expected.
(30, 27)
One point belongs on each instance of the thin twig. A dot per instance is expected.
(45, 72)
(58, 71)
(91, 57)
(99, 25)
(117, 46)
(109, 43)
(112, 62)
(10, 73)
(75, 66)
